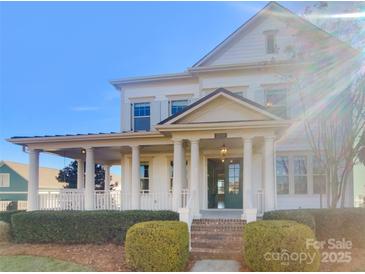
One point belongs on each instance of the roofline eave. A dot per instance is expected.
(92, 137)
(225, 125)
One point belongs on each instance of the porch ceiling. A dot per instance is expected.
(109, 154)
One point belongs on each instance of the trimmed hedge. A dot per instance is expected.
(271, 246)
(109, 226)
(300, 216)
(4, 231)
(6, 215)
(339, 223)
(157, 246)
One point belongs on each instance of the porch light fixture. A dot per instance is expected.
(223, 152)
(83, 151)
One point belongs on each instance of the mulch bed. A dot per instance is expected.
(107, 257)
(110, 257)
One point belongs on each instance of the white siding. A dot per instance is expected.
(251, 46)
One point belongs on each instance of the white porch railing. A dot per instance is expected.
(184, 197)
(110, 200)
(260, 203)
(22, 205)
(156, 201)
(73, 199)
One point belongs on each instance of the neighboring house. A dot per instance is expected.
(223, 135)
(14, 180)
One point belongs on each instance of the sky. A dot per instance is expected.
(57, 58)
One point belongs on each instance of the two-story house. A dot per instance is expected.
(225, 135)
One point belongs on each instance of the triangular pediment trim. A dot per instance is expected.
(247, 104)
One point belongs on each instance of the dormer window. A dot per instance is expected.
(271, 46)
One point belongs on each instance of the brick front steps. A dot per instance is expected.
(217, 238)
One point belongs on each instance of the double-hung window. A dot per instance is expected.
(282, 174)
(144, 177)
(4, 180)
(300, 175)
(270, 43)
(276, 102)
(141, 116)
(319, 177)
(177, 106)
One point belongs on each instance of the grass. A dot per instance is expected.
(38, 264)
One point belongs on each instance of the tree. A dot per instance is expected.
(336, 130)
(69, 175)
(330, 81)
(362, 149)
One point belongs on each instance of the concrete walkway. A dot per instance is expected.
(216, 266)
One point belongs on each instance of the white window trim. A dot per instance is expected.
(5, 177)
(180, 99)
(149, 177)
(274, 34)
(290, 156)
(132, 114)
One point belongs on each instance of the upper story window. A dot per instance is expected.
(276, 102)
(144, 174)
(270, 40)
(4, 180)
(178, 106)
(141, 116)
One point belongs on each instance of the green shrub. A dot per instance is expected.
(275, 246)
(6, 215)
(109, 226)
(300, 216)
(347, 223)
(338, 223)
(157, 246)
(4, 231)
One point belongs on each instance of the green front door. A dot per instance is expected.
(224, 183)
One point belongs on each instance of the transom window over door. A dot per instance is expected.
(178, 106)
(276, 102)
(141, 116)
(282, 174)
(300, 175)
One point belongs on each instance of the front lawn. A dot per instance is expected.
(38, 264)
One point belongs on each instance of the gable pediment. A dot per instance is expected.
(222, 109)
(219, 107)
(248, 43)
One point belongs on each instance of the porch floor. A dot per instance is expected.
(221, 213)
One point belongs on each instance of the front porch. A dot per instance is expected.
(169, 167)
(169, 186)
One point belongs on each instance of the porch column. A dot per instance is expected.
(33, 182)
(247, 175)
(269, 174)
(135, 177)
(80, 174)
(107, 178)
(90, 179)
(194, 174)
(177, 174)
